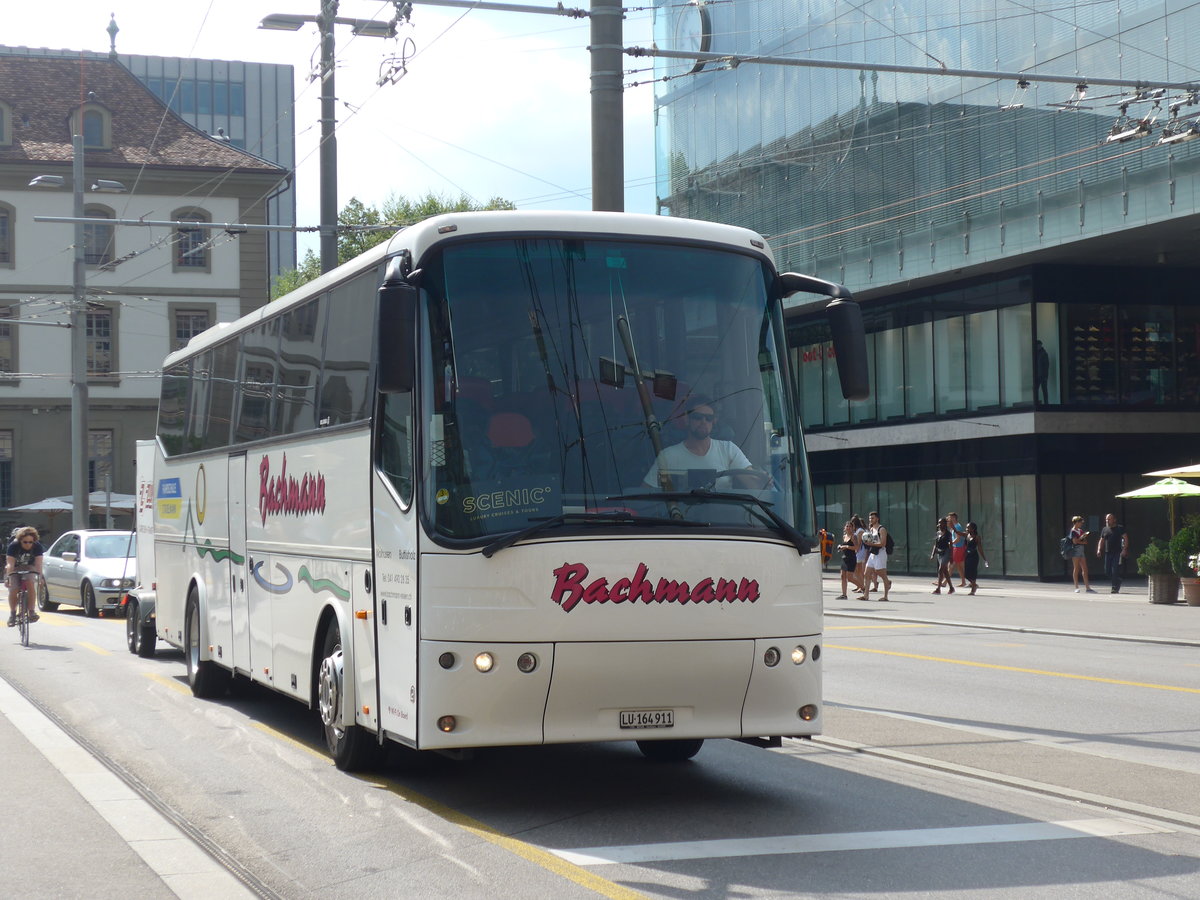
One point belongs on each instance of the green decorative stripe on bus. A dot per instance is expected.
(322, 584)
(220, 555)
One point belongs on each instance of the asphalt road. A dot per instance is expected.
(960, 760)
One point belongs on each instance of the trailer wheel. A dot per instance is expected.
(670, 751)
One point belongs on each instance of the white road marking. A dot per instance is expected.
(862, 840)
(185, 869)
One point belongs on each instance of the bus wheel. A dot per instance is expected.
(206, 678)
(351, 747)
(131, 618)
(670, 751)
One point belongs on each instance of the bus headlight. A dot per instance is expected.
(446, 660)
(771, 657)
(447, 723)
(484, 661)
(799, 654)
(808, 712)
(527, 662)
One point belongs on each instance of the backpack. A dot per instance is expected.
(1066, 547)
(890, 545)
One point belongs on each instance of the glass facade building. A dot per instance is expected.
(1025, 251)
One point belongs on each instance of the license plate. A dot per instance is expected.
(647, 718)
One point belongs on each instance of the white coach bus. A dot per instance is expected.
(422, 493)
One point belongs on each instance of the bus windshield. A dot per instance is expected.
(606, 381)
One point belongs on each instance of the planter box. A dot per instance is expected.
(1164, 588)
(1191, 591)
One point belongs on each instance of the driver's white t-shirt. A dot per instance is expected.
(678, 459)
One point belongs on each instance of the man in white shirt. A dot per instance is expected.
(699, 450)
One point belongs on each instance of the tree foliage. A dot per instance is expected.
(360, 230)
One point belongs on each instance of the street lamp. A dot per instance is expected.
(79, 387)
(328, 157)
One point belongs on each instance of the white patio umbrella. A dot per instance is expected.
(1189, 471)
(1170, 488)
(51, 506)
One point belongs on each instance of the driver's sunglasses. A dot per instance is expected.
(702, 417)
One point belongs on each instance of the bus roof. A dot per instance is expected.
(418, 239)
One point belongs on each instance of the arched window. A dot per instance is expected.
(191, 244)
(98, 239)
(94, 122)
(8, 250)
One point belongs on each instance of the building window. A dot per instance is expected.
(191, 244)
(188, 323)
(5, 124)
(98, 239)
(6, 463)
(8, 342)
(7, 251)
(101, 342)
(94, 122)
(100, 459)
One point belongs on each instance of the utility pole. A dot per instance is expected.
(79, 385)
(608, 121)
(329, 208)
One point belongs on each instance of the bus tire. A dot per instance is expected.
(352, 748)
(206, 678)
(670, 751)
(131, 617)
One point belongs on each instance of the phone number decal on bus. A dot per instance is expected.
(570, 590)
(647, 718)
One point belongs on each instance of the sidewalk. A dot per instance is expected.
(1027, 606)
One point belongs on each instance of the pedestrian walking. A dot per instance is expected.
(876, 540)
(974, 553)
(942, 542)
(1079, 539)
(958, 547)
(849, 550)
(1114, 547)
(860, 567)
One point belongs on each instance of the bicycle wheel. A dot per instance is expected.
(23, 617)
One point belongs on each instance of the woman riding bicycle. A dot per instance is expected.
(24, 554)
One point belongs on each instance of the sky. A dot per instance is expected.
(494, 104)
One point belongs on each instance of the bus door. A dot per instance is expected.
(396, 614)
(240, 614)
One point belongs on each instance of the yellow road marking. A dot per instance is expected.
(172, 683)
(868, 627)
(979, 665)
(95, 649)
(535, 855)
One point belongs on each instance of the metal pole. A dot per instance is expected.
(79, 386)
(329, 210)
(608, 134)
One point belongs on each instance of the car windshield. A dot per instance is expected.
(571, 377)
(111, 546)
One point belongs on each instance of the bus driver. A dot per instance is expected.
(700, 453)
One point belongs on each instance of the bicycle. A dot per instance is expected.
(24, 602)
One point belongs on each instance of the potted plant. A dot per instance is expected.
(1185, 547)
(1191, 586)
(1155, 563)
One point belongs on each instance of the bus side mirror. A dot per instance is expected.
(846, 327)
(850, 347)
(396, 336)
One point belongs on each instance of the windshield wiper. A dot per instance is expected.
(598, 518)
(800, 541)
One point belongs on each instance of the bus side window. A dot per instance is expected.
(395, 444)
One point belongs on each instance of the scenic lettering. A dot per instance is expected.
(572, 588)
(285, 494)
